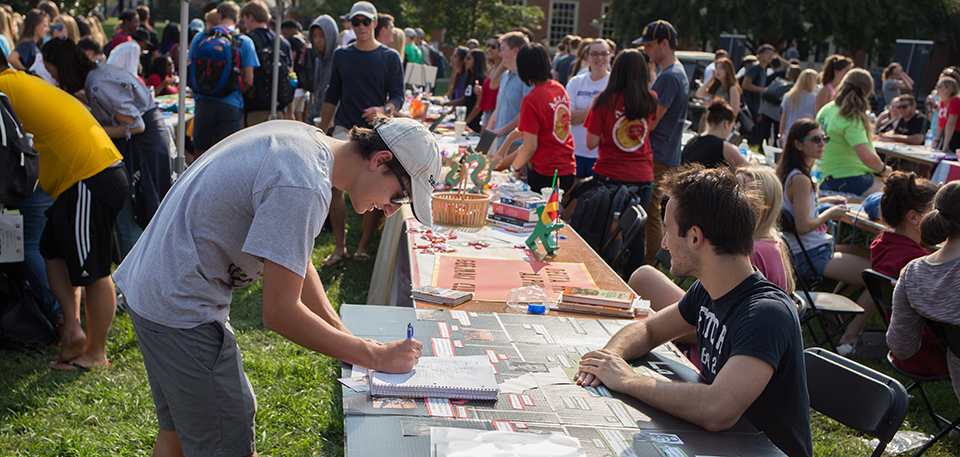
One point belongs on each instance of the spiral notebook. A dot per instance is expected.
(464, 378)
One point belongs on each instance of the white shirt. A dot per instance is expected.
(708, 72)
(127, 56)
(582, 90)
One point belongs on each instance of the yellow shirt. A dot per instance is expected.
(71, 143)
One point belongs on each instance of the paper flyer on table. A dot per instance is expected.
(460, 442)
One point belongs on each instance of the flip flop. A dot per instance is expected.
(361, 256)
(335, 260)
(76, 366)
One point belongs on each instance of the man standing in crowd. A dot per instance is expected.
(129, 23)
(250, 208)
(751, 351)
(324, 37)
(754, 83)
(424, 48)
(659, 42)
(910, 127)
(146, 59)
(254, 19)
(298, 52)
(512, 89)
(411, 50)
(217, 118)
(366, 81)
(384, 29)
(82, 170)
(564, 64)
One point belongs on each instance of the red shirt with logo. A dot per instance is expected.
(624, 153)
(545, 112)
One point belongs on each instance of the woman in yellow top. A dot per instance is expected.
(850, 164)
(82, 169)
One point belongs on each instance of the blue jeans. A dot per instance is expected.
(128, 232)
(851, 185)
(33, 267)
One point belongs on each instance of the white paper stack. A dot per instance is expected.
(466, 378)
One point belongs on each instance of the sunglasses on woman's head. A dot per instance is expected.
(357, 22)
(57, 28)
(817, 139)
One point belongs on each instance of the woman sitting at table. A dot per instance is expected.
(906, 199)
(162, 78)
(723, 84)
(544, 125)
(769, 250)
(125, 108)
(835, 68)
(804, 145)
(949, 110)
(928, 285)
(710, 148)
(850, 164)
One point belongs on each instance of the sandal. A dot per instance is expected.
(361, 256)
(335, 260)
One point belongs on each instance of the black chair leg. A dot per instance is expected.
(940, 435)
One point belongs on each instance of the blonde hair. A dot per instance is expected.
(767, 186)
(853, 96)
(399, 41)
(806, 83)
(951, 85)
(96, 30)
(73, 31)
(6, 27)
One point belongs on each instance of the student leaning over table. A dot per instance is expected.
(251, 208)
(747, 328)
(850, 164)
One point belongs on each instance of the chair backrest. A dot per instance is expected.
(854, 395)
(880, 287)
(663, 256)
(947, 334)
(787, 225)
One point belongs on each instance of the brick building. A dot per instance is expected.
(570, 17)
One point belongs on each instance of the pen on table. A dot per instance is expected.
(409, 331)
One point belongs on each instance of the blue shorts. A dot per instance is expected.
(213, 121)
(820, 256)
(585, 166)
(851, 185)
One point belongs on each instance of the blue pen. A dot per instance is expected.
(409, 331)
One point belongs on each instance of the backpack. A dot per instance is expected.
(300, 65)
(21, 322)
(258, 97)
(19, 163)
(215, 65)
(589, 218)
(439, 61)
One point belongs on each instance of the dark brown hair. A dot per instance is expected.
(730, 76)
(705, 197)
(944, 221)
(71, 62)
(629, 80)
(792, 158)
(533, 64)
(831, 66)
(369, 142)
(31, 21)
(903, 192)
(719, 111)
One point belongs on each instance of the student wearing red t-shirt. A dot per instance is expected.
(906, 199)
(544, 124)
(947, 125)
(618, 122)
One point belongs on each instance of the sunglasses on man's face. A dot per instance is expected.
(817, 139)
(902, 106)
(357, 22)
(492, 45)
(406, 195)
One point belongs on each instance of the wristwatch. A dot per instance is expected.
(388, 110)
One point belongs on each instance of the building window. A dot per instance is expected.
(563, 21)
(606, 27)
(515, 2)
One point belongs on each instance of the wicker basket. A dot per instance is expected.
(463, 210)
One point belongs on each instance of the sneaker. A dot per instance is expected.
(845, 350)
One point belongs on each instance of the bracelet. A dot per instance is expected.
(512, 169)
(883, 169)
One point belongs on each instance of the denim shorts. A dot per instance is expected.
(585, 166)
(820, 256)
(851, 185)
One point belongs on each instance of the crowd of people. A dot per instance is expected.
(252, 202)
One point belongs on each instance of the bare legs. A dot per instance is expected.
(90, 349)
(338, 222)
(370, 222)
(168, 445)
(650, 284)
(846, 268)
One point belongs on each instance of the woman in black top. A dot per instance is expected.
(709, 148)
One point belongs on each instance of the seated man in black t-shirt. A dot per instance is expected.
(910, 127)
(746, 328)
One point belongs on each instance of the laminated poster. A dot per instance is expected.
(492, 279)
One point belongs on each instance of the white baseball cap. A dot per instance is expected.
(365, 9)
(416, 149)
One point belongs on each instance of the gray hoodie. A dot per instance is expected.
(323, 61)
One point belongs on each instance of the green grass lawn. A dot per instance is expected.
(110, 412)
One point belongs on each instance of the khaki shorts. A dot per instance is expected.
(199, 387)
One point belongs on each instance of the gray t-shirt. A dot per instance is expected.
(890, 91)
(111, 90)
(672, 88)
(262, 193)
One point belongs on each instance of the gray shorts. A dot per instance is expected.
(199, 387)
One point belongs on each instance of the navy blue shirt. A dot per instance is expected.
(362, 79)
(752, 99)
(757, 319)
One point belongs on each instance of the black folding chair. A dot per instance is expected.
(949, 337)
(663, 258)
(628, 227)
(880, 287)
(569, 202)
(854, 395)
(819, 304)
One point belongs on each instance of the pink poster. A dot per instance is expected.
(492, 279)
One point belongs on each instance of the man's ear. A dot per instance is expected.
(380, 158)
(695, 237)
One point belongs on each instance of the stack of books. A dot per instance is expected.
(516, 213)
(441, 296)
(601, 302)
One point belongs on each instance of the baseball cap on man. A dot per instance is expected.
(365, 9)
(656, 31)
(416, 149)
(410, 33)
(197, 25)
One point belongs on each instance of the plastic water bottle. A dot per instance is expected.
(928, 140)
(744, 149)
(816, 174)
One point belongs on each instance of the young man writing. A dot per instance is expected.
(747, 328)
(251, 208)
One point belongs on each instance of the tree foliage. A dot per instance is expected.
(465, 19)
